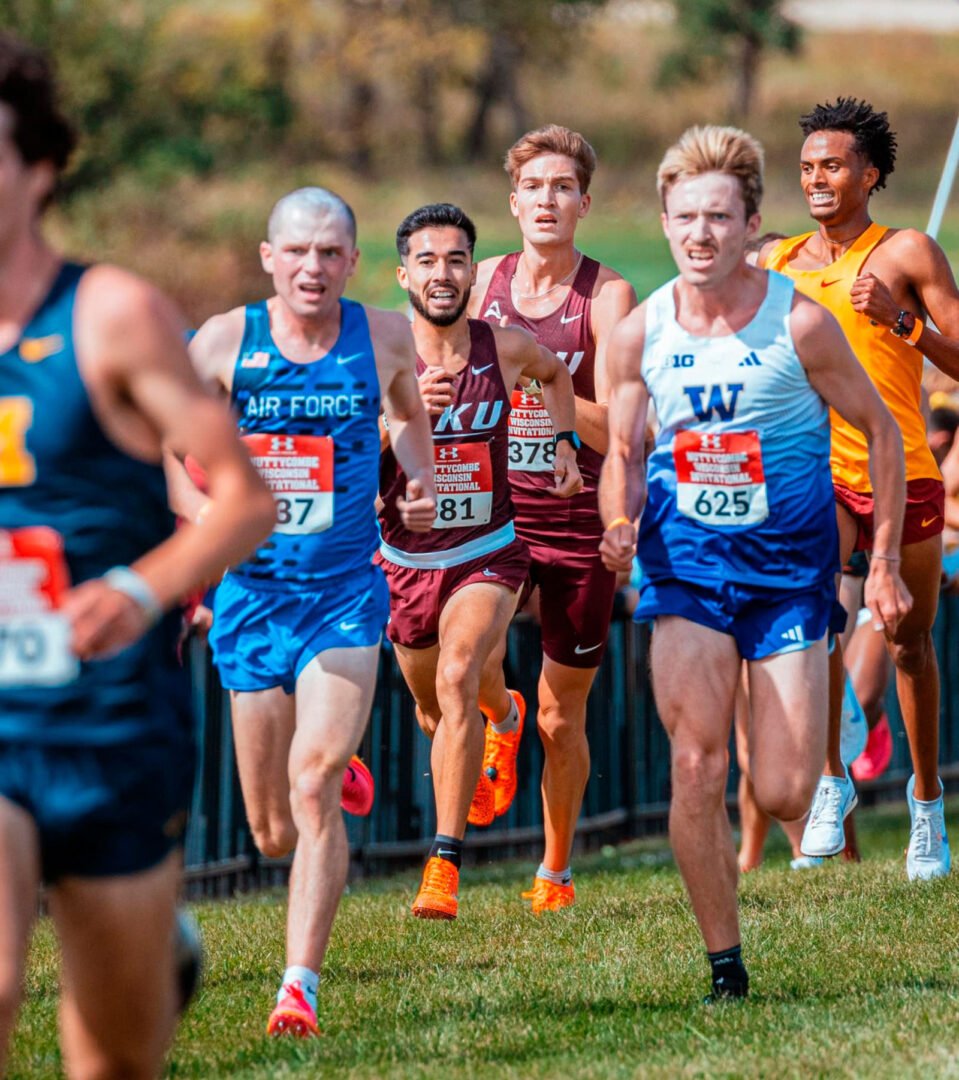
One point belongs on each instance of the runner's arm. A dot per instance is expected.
(622, 483)
(839, 378)
(536, 362)
(407, 424)
(213, 352)
(132, 355)
(615, 300)
(932, 281)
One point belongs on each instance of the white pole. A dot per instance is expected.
(945, 186)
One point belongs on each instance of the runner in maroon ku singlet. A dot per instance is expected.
(453, 590)
(473, 538)
(570, 304)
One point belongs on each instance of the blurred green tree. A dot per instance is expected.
(716, 36)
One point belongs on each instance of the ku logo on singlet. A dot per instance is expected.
(722, 400)
(454, 418)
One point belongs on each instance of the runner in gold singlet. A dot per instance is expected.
(885, 286)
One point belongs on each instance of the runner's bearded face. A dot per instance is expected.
(547, 201)
(438, 274)
(311, 258)
(706, 225)
(835, 177)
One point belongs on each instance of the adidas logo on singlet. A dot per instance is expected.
(751, 361)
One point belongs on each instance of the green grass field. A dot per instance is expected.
(855, 972)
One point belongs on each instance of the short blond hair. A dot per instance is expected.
(552, 139)
(715, 149)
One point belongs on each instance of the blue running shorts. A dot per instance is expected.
(265, 632)
(763, 622)
(101, 811)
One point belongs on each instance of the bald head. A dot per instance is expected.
(309, 202)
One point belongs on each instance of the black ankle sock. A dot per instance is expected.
(449, 848)
(730, 978)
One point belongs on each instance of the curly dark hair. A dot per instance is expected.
(874, 139)
(40, 131)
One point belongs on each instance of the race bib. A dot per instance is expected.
(298, 469)
(463, 475)
(531, 444)
(720, 479)
(34, 636)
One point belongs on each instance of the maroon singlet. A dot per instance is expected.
(470, 454)
(568, 333)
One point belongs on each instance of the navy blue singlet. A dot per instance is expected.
(59, 471)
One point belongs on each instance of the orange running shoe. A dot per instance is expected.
(293, 1014)
(358, 788)
(499, 758)
(437, 897)
(483, 806)
(548, 896)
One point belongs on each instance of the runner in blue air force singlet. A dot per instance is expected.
(86, 506)
(312, 431)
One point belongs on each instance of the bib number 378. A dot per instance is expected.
(720, 479)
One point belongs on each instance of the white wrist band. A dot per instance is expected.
(130, 583)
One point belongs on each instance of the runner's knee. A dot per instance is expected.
(428, 721)
(274, 836)
(913, 657)
(560, 731)
(457, 674)
(699, 773)
(786, 798)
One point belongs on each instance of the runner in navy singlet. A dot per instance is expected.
(297, 627)
(453, 590)
(738, 539)
(96, 738)
(570, 304)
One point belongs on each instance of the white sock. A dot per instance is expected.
(309, 983)
(510, 723)
(557, 877)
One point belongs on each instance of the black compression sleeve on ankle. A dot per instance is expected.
(730, 978)
(449, 848)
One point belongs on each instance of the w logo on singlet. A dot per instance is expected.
(722, 401)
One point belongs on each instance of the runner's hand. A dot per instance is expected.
(104, 620)
(436, 389)
(618, 547)
(417, 510)
(886, 596)
(565, 473)
(871, 297)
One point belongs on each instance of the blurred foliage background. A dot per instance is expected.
(195, 116)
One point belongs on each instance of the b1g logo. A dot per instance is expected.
(722, 401)
(679, 360)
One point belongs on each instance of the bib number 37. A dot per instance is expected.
(298, 469)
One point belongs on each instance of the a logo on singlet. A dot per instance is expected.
(493, 310)
(572, 362)
(259, 359)
(722, 401)
(33, 350)
(751, 361)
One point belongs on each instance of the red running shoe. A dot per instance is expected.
(358, 788)
(874, 760)
(293, 1014)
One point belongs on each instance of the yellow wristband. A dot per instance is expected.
(619, 521)
(915, 334)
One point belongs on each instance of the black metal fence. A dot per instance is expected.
(627, 795)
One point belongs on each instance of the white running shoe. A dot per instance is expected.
(834, 800)
(805, 862)
(928, 854)
(854, 730)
